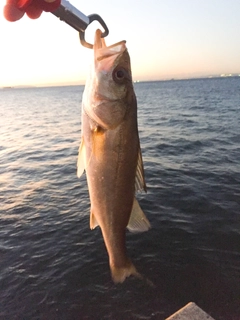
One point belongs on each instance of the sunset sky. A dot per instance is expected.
(165, 38)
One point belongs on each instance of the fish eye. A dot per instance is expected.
(120, 74)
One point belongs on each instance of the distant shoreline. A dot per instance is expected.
(187, 79)
(191, 78)
(232, 76)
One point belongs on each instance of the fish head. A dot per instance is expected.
(109, 89)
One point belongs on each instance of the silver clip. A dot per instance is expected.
(77, 20)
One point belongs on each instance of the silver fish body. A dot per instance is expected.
(110, 153)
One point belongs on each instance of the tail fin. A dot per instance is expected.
(119, 274)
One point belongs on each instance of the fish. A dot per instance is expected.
(110, 153)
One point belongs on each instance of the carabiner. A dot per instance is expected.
(93, 17)
(77, 20)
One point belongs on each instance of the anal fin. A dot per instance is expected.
(93, 221)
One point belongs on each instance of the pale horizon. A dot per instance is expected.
(167, 39)
(82, 83)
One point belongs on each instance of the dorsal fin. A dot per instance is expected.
(138, 221)
(139, 179)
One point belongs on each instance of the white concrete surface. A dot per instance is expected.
(190, 312)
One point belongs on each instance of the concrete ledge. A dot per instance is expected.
(190, 312)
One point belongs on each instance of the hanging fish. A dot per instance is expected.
(110, 153)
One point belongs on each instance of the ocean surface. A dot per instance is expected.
(52, 266)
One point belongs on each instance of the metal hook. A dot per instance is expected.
(93, 17)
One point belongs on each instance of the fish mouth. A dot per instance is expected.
(102, 51)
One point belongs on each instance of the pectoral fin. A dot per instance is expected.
(138, 221)
(81, 159)
(139, 179)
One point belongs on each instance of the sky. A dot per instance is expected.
(165, 38)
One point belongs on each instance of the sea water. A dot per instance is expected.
(52, 266)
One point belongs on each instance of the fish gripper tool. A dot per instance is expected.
(77, 20)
